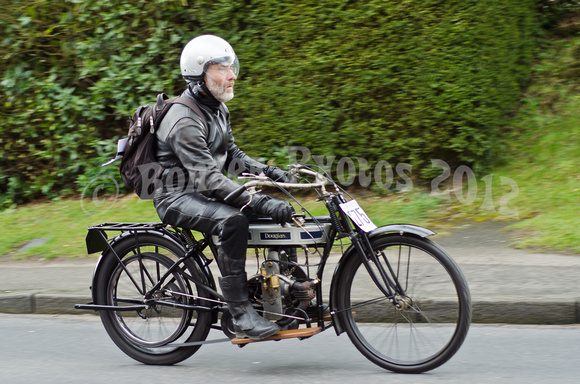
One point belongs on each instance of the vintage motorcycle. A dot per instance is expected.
(400, 298)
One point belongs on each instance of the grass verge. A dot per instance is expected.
(61, 225)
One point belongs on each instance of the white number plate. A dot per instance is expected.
(358, 215)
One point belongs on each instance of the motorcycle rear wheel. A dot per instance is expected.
(144, 335)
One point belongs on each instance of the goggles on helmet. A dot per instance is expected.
(224, 65)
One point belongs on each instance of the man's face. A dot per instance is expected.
(219, 79)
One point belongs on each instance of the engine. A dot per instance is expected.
(280, 290)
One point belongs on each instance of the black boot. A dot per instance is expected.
(247, 322)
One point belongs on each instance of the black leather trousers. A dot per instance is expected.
(197, 212)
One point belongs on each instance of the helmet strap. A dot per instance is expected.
(201, 92)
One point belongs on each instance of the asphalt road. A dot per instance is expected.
(76, 349)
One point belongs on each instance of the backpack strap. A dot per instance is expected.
(192, 105)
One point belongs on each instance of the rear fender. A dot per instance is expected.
(110, 252)
(337, 277)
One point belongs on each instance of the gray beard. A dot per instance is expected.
(219, 93)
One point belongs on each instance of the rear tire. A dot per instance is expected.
(436, 312)
(143, 335)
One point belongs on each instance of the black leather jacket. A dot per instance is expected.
(195, 155)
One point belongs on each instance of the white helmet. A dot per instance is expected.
(204, 50)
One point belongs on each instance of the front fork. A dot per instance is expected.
(384, 278)
(386, 281)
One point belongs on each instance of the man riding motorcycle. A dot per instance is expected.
(203, 152)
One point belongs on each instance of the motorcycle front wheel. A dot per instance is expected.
(433, 314)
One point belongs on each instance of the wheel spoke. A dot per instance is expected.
(168, 317)
(432, 314)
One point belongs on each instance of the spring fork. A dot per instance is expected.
(382, 280)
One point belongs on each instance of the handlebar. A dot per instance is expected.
(263, 181)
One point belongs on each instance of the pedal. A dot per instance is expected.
(289, 334)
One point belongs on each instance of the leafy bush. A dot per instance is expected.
(552, 12)
(397, 81)
(72, 71)
(403, 81)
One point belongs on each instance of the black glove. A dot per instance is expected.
(279, 210)
(277, 174)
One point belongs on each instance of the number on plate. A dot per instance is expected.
(358, 215)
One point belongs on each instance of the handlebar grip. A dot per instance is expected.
(234, 194)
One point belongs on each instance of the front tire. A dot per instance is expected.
(435, 306)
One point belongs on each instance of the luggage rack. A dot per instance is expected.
(97, 239)
(126, 226)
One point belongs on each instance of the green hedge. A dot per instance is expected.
(401, 81)
(72, 72)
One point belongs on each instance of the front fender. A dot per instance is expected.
(400, 229)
